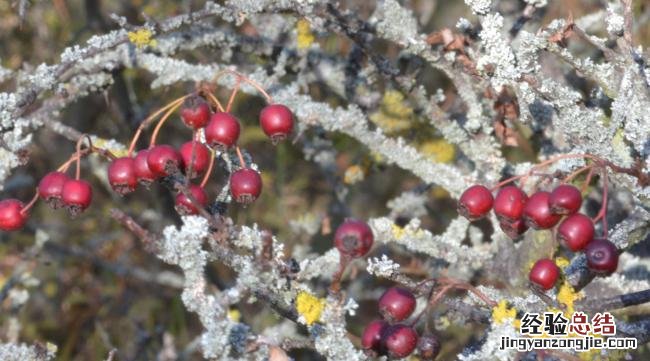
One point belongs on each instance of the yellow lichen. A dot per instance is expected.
(439, 150)
(305, 37)
(234, 315)
(567, 296)
(394, 115)
(561, 262)
(309, 307)
(502, 313)
(104, 144)
(142, 38)
(354, 174)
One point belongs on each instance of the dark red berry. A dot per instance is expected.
(371, 338)
(602, 256)
(537, 212)
(183, 204)
(514, 229)
(475, 202)
(276, 121)
(144, 175)
(245, 185)
(199, 161)
(122, 176)
(399, 340)
(396, 304)
(353, 238)
(12, 217)
(164, 160)
(509, 204)
(77, 195)
(428, 347)
(195, 112)
(50, 188)
(222, 131)
(576, 231)
(565, 199)
(544, 274)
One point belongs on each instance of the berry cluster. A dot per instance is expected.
(206, 117)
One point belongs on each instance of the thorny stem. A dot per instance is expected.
(602, 214)
(148, 120)
(206, 177)
(162, 120)
(242, 164)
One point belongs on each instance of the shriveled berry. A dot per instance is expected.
(371, 338)
(576, 231)
(50, 188)
(195, 112)
(276, 121)
(565, 199)
(142, 171)
(509, 203)
(183, 204)
(222, 131)
(428, 347)
(164, 160)
(602, 256)
(197, 161)
(245, 185)
(399, 340)
(12, 217)
(353, 238)
(475, 202)
(396, 304)
(122, 176)
(77, 195)
(514, 229)
(537, 212)
(544, 274)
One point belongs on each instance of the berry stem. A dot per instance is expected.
(587, 181)
(246, 79)
(232, 95)
(335, 286)
(242, 164)
(209, 170)
(602, 214)
(571, 176)
(162, 120)
(149, 119)
(78, 153)
(29, 205)
(215, 101)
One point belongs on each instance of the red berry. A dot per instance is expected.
(428, 347)
(222, 131)
(371, 338)
(245, 185)
(514, 229)
(144, 175)
(544, 274)
(396, 304)
(199, 161)
(164, 160)
(277, 122)
(602, 256)
(475, 202)
(12, 217)
(509, 204)
(77, 195)
(353, 238)
(195, 112)
(576, 231)
(122, 176)
(565, 199)
(183, 204)
(399, 340)
(50, 188)
(537, 212)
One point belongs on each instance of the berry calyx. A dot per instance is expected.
(565, 199)
(602, 256)
(50, 188)
(198, 162)
(183, 204)
(396, 304)
(12, 217)
(353, 238)
(195, 112)
(164, 160)
(399, 340)
(222, 131)
(77, 195)
(475, 202)
(122, 176)
(509, 204)
(576, 231)
(142, 171)
(537, 212)
(276, 121)
(371, 338)
(245, 185)
(544, 274)
(428, 347)
(514, 229)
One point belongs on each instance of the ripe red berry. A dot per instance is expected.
(277, 122)
(576, 231)
(195, 112)
(199, 161)
(122, 176)
(514, 229)
(222, 131)
(164, 160)
(428, 347)
(245, 185)
(144, 175)
(475, 202)
(50, 188)
(396, 304)
(565, 199)
(602, 256)
(353, 238)
(77, 195)
(509, 204)
(183, 204)
(537, 212)
(12, 217)
(544, 274)
(399, 340)
(371, 338)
